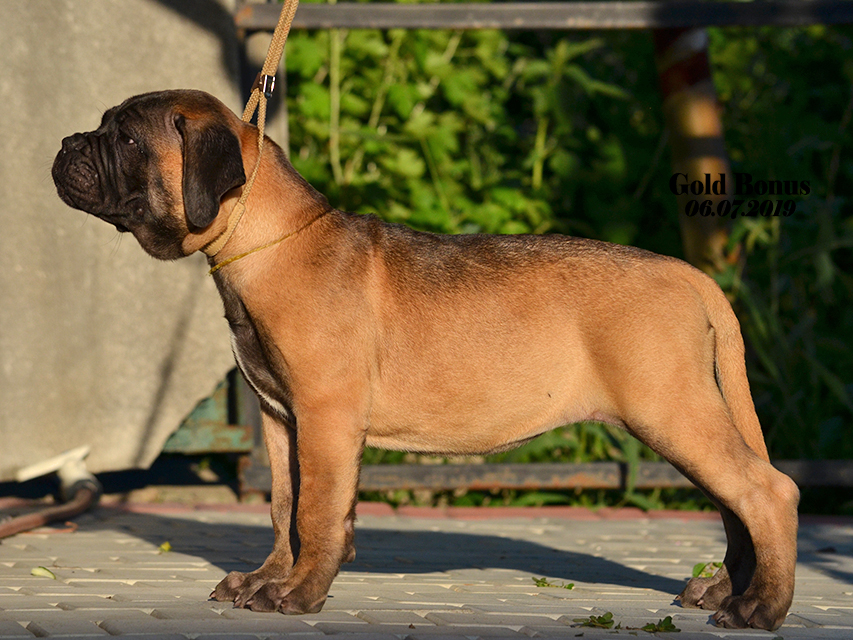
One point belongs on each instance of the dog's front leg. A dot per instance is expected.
(329, 446)
(328, 449)
(244, 589)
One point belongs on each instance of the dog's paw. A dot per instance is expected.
(285, 597)
(705, 593)
(229, 587)
(245, 588)
(261, 591)
(303, 599)
(740, 612)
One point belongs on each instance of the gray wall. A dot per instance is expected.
(99, 344)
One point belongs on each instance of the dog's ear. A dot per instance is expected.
(212, 166)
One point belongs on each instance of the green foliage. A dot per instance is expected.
(544, 582)
(705, 569)
(463, 131)
(597, 622)
(662, 626)
(486, 131)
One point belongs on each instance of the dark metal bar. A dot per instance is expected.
(641, 14)
(556, 476)
(818, 473)
(606, 475)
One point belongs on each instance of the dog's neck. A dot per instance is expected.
(234, 234)
(213, 248)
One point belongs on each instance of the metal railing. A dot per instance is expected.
(642, 14)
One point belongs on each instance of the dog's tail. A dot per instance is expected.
(729, 362)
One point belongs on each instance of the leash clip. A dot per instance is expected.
(265, 83)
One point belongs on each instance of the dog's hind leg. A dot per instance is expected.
(709, 592)
(758, 502)
(733, 386)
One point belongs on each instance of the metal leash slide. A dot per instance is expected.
(261, 92)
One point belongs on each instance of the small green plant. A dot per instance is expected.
(544, 582)
(661, 626)
(598, 622)
(705, 569)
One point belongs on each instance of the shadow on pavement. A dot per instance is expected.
(241, 547)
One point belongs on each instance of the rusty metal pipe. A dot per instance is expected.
(84, 498)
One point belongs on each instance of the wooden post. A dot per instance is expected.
(691, 113)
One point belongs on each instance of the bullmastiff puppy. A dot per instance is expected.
(354, 332)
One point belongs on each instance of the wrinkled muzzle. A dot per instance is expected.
(81, 174)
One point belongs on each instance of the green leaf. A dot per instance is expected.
(544, 582)
(355, 105)
(420, 125)
(596, 622)
(314, 101)
(304, 56)
(514, 227)
(535, 70)
(365, 44)
(43, 572)
(705, 569)
(463, 86)
(567, 50)
(591, 86)
(405, 163)
(662, 626)
(402, 98)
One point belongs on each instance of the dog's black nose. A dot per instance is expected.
(73, 143)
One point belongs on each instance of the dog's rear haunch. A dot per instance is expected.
(355, 332)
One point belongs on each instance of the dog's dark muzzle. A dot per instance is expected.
(80, 172)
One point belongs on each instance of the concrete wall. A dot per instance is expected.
(99, 344)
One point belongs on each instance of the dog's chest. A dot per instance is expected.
(253, 360)
(255, 369)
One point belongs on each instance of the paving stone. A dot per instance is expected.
(475, 631)
(490, 618)
(10, 629)
(65, 628)
(162, 636)
(229, 636)
(372, 635)
(185, 613)
(261, 625)
(18, 602)
(88, 603)
(393, 617)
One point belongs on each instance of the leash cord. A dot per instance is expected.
(261, 92)
(290, 234)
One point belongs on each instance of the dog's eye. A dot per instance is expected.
(126, 139)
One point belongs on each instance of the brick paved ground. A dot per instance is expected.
(419, 574)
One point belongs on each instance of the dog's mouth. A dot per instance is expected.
(77, 199)
(77, 181)
(118, 226)
(79, 184)
(117, 220)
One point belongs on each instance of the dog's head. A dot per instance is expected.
(158, 166)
